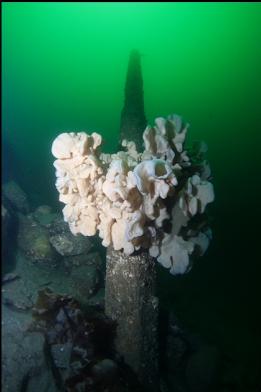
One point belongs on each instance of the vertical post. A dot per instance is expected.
(130, 280)
(130, 300)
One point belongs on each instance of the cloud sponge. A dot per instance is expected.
(153, 200)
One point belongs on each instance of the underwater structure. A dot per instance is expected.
(147, 205)
(131, 280)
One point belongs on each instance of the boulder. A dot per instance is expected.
(45, 216)
(16, 196)
(33, 239)
(65, 243)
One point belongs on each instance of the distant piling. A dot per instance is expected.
(133, 120)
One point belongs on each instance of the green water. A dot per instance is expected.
(64, 68)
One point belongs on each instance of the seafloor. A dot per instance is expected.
(54, 332)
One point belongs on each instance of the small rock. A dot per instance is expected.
(16, 196)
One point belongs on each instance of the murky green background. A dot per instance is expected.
(64, 67)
